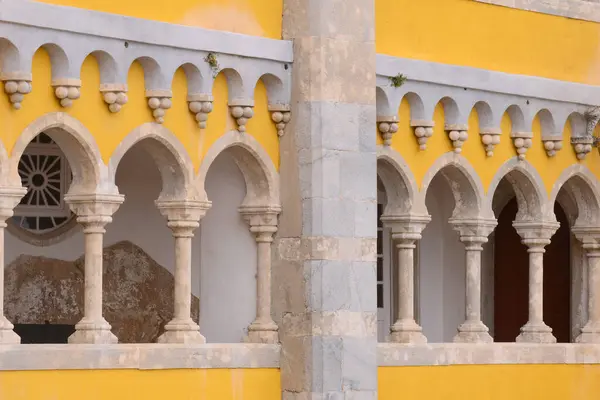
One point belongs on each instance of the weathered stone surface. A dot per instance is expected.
(138, 292)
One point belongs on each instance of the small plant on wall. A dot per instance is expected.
(398, 80)
(211, 60)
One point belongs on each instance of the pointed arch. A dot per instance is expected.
(581, 186)
(528, 188)
(260, 174)
(464, 182)
(399, 183)
(169, 154)
(90, 174)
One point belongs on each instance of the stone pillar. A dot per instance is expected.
(9, 198)
(263, 224)
(94, 212)
(183, 217)
(326, 242)
(590, 239)
(536, 236)
(406, 230)
(473, 234)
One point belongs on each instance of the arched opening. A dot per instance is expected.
(511, 273)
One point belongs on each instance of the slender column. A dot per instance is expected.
(183, 218)
(473, 234)
(9, 198)
(94, 212)
(590, 333)
(406, 230)
(263, 224)
(536, 236)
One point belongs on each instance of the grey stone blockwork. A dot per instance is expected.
(588, 10)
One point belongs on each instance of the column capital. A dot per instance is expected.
(589, 236)
(9, 199)
(94, 210)
(475, 230)
(183, 216)
(261, 219)
(406, 227)
(536, 233)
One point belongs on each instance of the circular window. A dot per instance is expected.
(43, 217)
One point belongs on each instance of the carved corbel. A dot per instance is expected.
(522, 142)
(114, 95)
(242, 111)
(16, 86)
(387, 126)
(66, 90)
(200, 104)
(159, 102)
(423, 131)
(280, 115)
(582, 146)
(490, 137)
(458, 135)
(552, 144)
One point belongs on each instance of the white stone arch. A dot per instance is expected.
(235, 84)
(10, 57)
(194, 77)
(59, 61)
(154, 78)
(578, 124)
(418, 111)
(260, 175)
(90, 174)
(107, 65)
(547, 122)
(487, 120)
(452, 112)
(276, 93)
(581, 186)
(464, 182)
(517, 119)
(169, 154)
(528, 188)
(383, 103)
(399, 184)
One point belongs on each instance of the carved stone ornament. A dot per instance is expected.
(387, 126)
(67, 90)
(280, 115)
(522, 142)
(200, 104)
(241, 111)
(552, 144)
(114, 95)
(582, 146)
(159, 102)
(490, 137)
(423, 131)
(16, 86)
(458, 135)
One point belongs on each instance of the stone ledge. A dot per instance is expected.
(585, 10)
(27, 357)
(395, 355)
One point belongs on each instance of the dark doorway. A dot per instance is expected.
(44, 333)
(511, 279)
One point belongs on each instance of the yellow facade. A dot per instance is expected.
(490, 382)
(249, 17)
(197, 384)
(110, 129)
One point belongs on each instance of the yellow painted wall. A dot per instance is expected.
(490, 382)
(404, 141)
(184, 384)
(110, 129)
(464, 32)
(250, 17)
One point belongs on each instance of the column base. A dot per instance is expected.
(590, 333)
(93, 332)
(7, 334)
(407, 331)
(536, 333)
(473, 332)
(182, 332)
(262, 332)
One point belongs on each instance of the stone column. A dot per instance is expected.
(326, 242)
(590, 239)
(406, 230)
(183, 217)
(94, 212)
(263, 224)
(473, 234)
(9, 198)
(536, 236)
